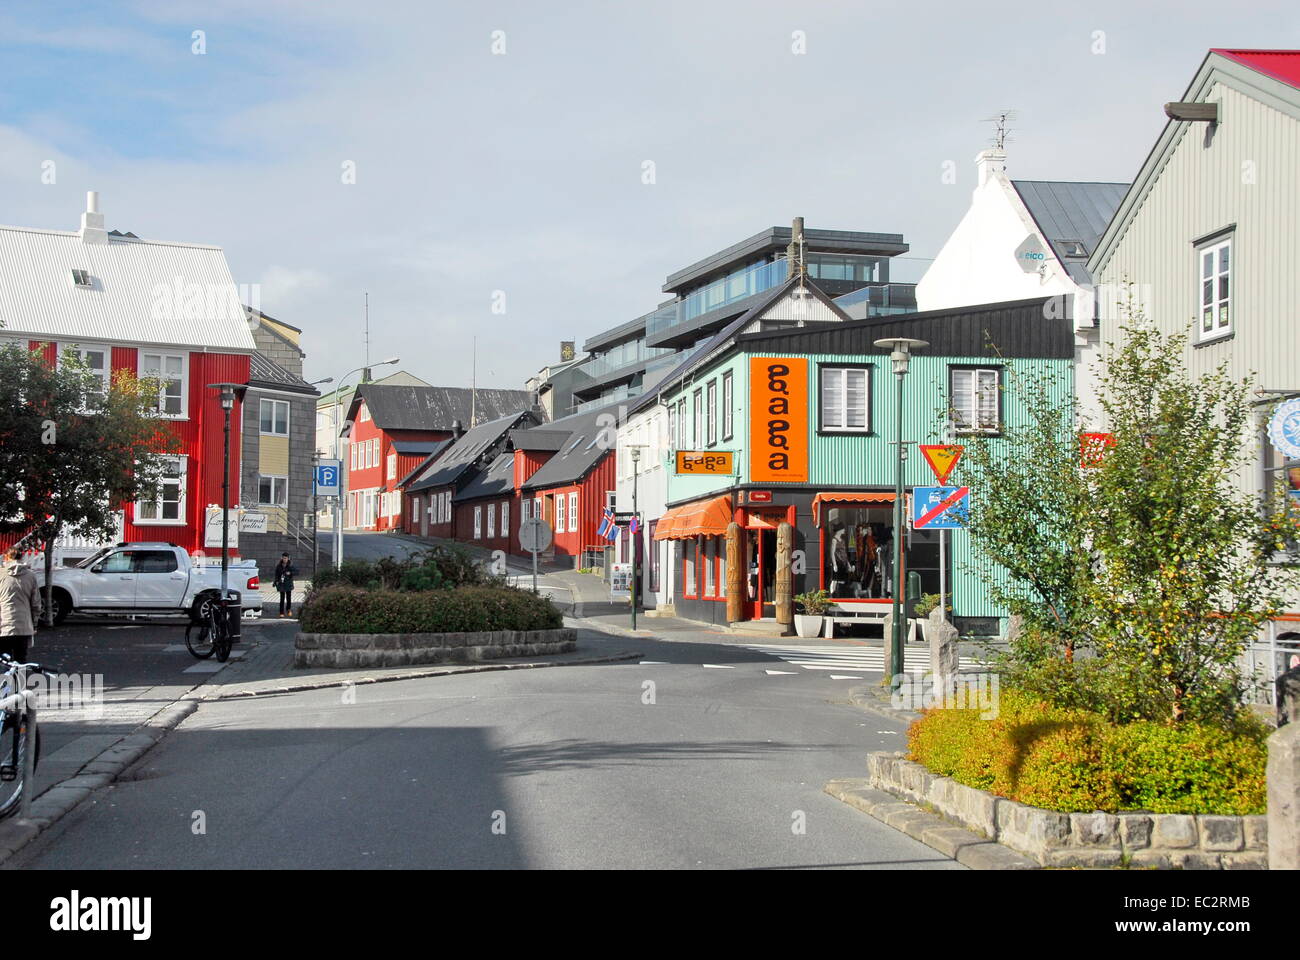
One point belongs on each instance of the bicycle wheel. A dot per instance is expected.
(222, 645)
(198, 639)
(11, 790)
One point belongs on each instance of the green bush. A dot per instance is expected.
(345, 609)
(443, 566)
(1075, 760)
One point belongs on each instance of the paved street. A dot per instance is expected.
(714, 774)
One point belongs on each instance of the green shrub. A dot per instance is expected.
(443, 566)
(345, 609)
(1077, 760)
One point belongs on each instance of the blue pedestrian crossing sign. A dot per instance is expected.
(940, 508)
(327, 477)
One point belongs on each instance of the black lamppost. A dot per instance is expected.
(229, 393)
(900, 353)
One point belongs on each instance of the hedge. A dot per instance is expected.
(1077, 761)
(345, 609)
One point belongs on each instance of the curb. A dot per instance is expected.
(865, 699)
(326, 683)
(957, 843)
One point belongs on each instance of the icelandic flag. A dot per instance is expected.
(608, 528)
(634, 526)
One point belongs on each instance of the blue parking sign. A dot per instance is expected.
(327, 478)
(940, 508)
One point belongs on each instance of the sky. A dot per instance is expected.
(518, 174)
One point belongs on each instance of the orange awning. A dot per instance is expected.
(706, 518)
(848, 497)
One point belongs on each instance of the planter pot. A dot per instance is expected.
(806, 626)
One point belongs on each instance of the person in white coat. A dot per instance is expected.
(20, 606)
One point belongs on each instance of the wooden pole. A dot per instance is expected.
(735, 574)
(784, 575)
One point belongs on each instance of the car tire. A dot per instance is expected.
(62, 604)
(199, 609)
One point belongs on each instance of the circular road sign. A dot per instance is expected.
(535, 535)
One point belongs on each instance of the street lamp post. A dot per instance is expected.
(900, 353)
(229, 392)
(338, 501)
(636, 529)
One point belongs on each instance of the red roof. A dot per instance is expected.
(1281, 65)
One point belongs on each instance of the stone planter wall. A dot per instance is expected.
(408, 649)
(1055, 839)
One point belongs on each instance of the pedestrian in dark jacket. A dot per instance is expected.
(285, 571)
(20, 606)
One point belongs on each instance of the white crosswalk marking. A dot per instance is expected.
(841, 657)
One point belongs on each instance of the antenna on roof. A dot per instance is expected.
(367, 335)
(1001, 128)
(473, 383)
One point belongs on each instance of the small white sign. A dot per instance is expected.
(212, 527)
(620, 581)
(252, 523)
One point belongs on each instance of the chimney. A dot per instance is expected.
(794, 252)
(988, 162)
(457, 430)
(92, 221)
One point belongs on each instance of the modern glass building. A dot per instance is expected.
(625, 361)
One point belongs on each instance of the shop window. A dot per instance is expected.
(859, 552)
(710, 571)
(689, 548)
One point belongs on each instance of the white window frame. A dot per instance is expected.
(478, 522)
(834, 417)
(492, 521)
(505, 518)
(181, 491)
(163, 357)
(392, 466)
(711, 413)
(81, 349)
(1219, 305)
(275, 404)
(697, 418)
(728, 399)
(277, 481)
(559, 513)
(364, 413)
(573, 512)
(977, 374)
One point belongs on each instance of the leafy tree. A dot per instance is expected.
(1028, 516)
(72, 452)
(1183, 580)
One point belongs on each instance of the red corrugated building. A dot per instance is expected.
(160, 309)
(564, 472)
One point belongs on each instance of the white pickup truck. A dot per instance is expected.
(158, 579)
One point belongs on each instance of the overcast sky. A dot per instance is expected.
(515, 160)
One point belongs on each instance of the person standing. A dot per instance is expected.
(285, 571)
(20, 606)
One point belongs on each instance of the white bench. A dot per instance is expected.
(851, 612)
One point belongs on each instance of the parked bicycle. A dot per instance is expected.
(18, 731)
(212, 633)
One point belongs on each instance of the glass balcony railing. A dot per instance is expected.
(624, 355)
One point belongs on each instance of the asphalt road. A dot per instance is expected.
(556, 768)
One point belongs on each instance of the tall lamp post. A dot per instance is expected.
(338, 427)
(635, 451)
(900, 351)
(229, 393)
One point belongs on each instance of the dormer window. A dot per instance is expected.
(1073, 248)
(81, 278)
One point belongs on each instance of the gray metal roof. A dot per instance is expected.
(399, 407)
(407, 447)
(1066, 210)
(452, 465)
(264, 372)
(497, 479)
(588, 439)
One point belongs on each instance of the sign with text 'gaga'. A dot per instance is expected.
(778, 419)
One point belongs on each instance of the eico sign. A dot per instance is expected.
(778, 419)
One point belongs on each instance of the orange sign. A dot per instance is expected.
(778, 419)
(706, 461)
(941, 457)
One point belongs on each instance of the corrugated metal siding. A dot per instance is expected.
(143, 291)
(1202, 189)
